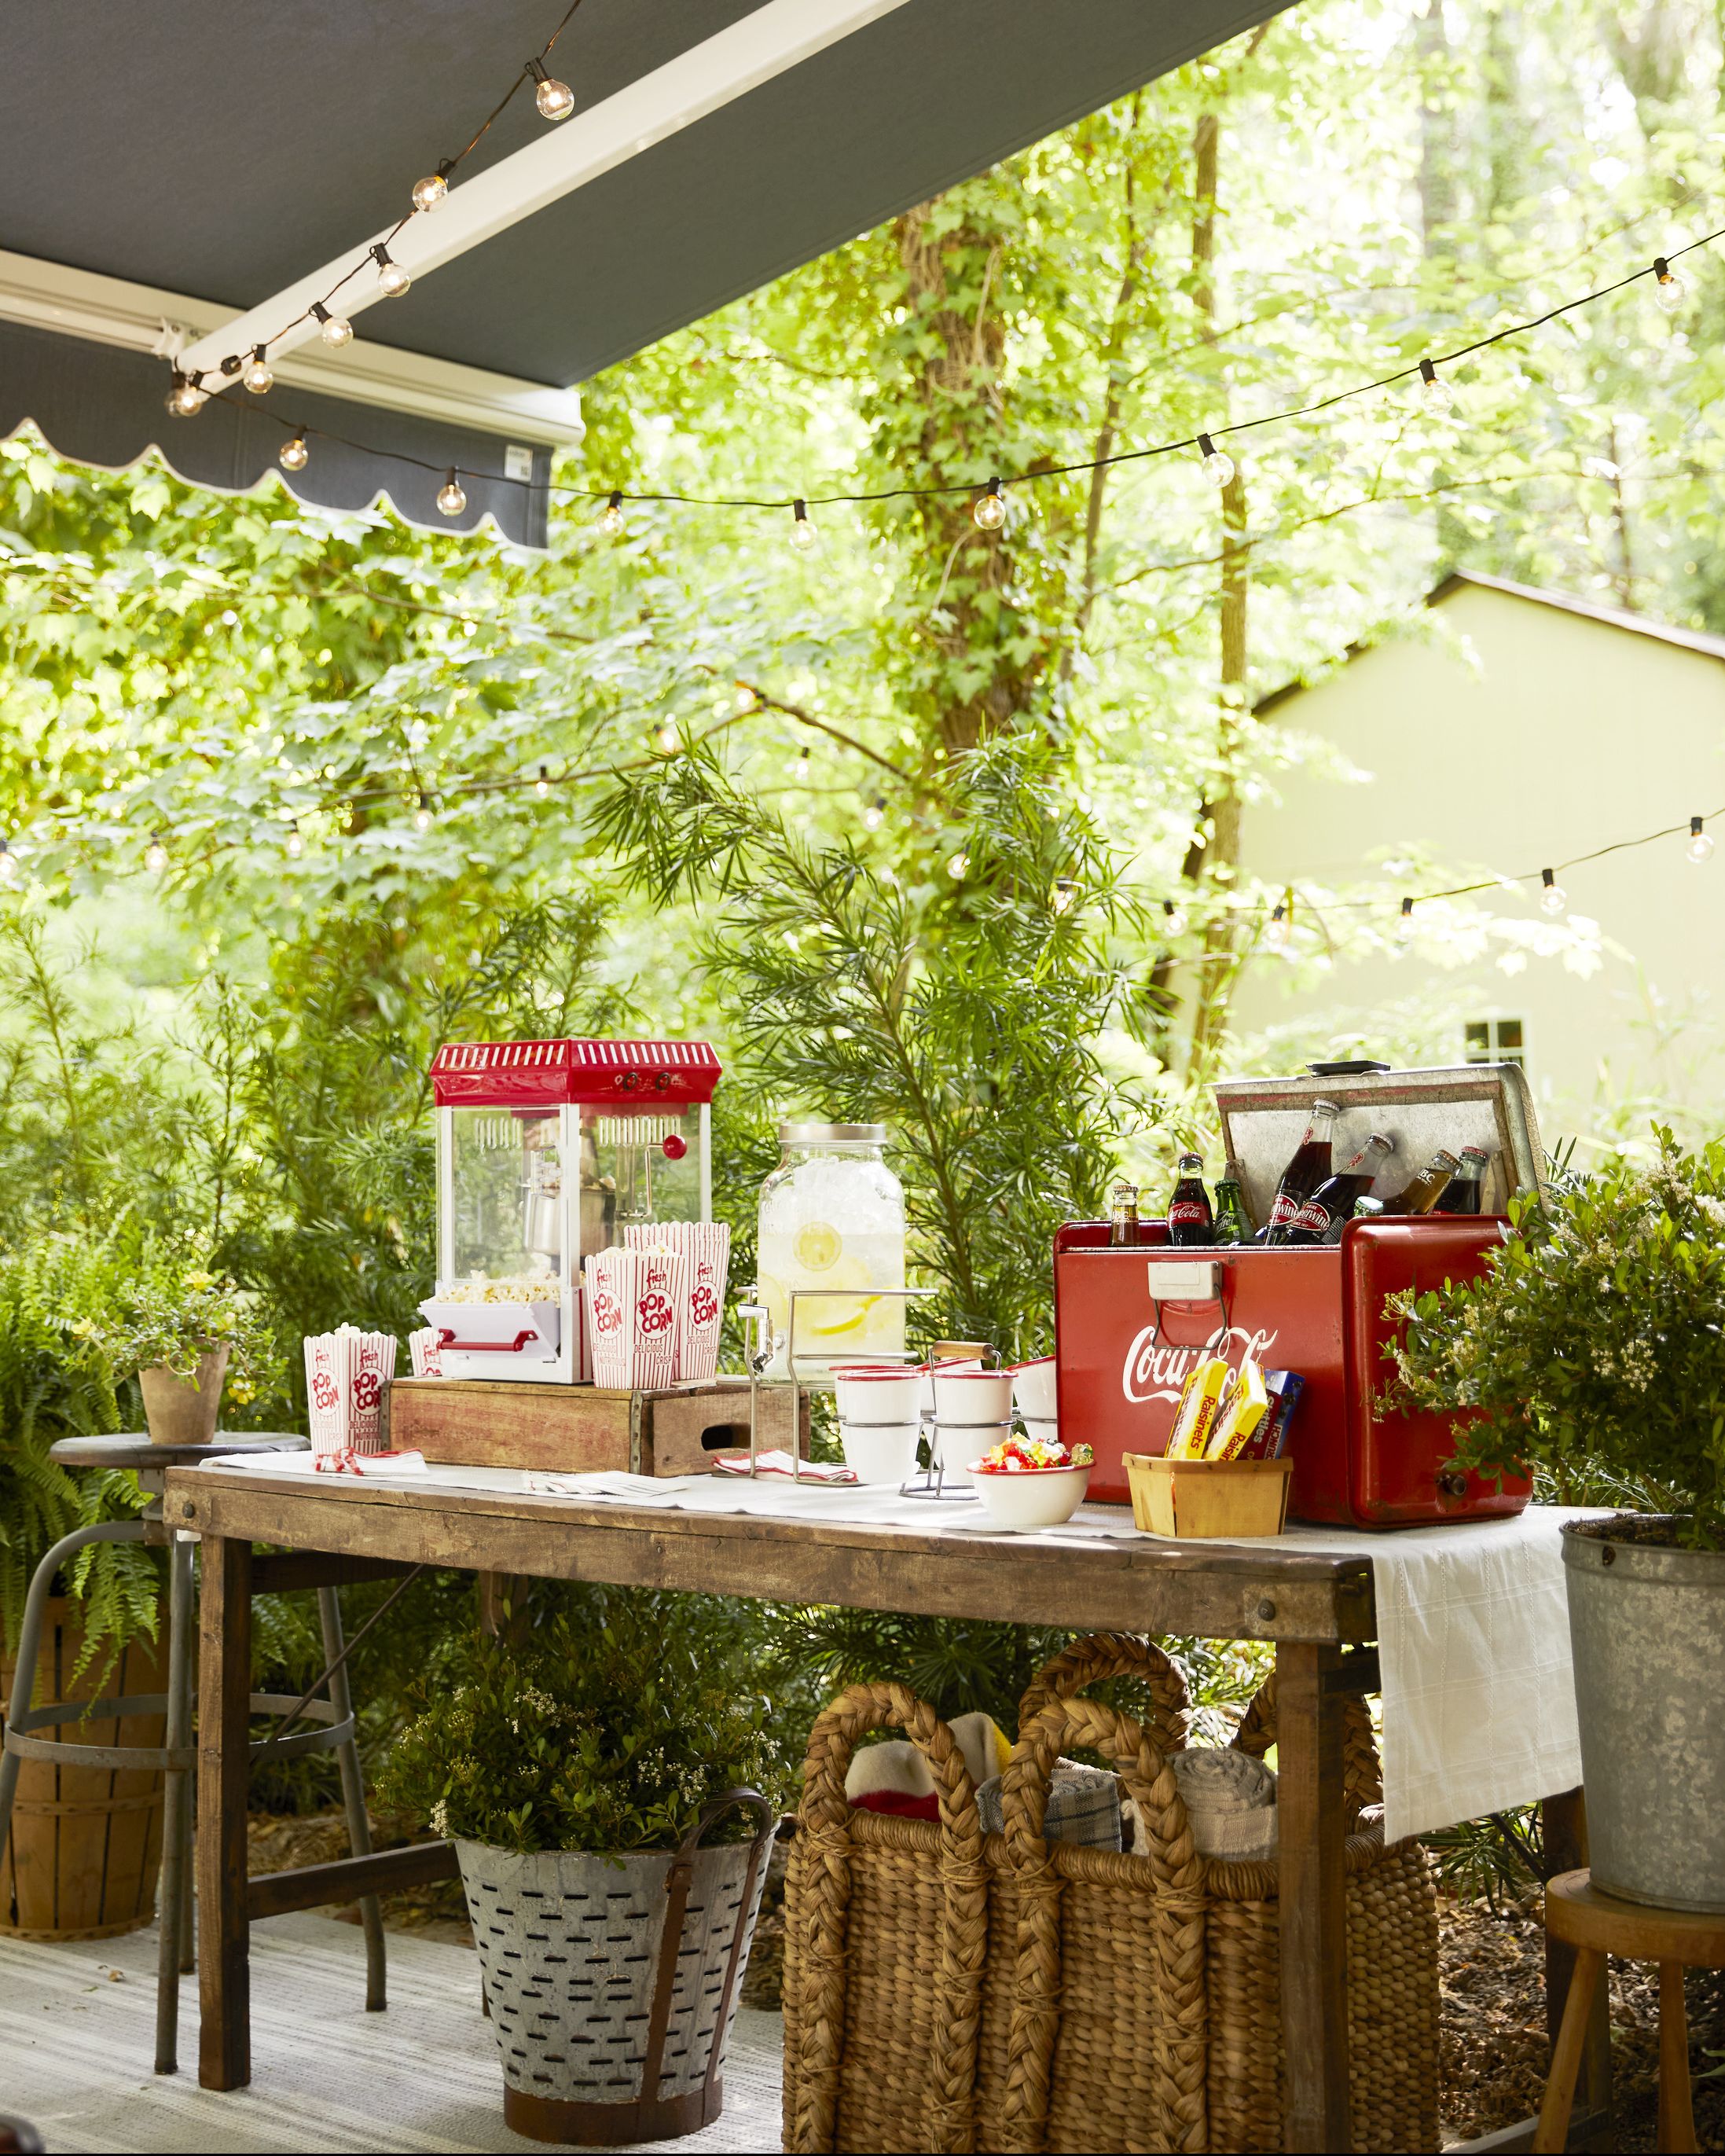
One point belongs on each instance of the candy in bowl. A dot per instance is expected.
(1031, 1482)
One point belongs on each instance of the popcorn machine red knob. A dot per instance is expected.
(675, 1148)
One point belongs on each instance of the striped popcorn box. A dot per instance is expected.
(371, 1367)
(704, 1302)
(329, 1371)
(423, 1352)
(661, 1285)
(609, 1290)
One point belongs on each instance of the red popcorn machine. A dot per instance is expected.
(546, 1151)
(1132, 1320)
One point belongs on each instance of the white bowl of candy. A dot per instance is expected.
(1031, 1482)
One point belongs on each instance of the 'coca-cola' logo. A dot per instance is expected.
(654, 1314)
(703, 1306)
(367, 1391)
(1185, 1212)
(1155, 1371)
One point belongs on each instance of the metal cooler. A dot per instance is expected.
(1130, 1324)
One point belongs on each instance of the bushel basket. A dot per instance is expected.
(946, 1990)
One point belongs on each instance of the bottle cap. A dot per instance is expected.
(1194, 1161)
(1474, 1154)
(1326, 1108)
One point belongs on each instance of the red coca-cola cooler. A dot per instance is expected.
(1131, 1323)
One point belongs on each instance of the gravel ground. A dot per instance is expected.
(1492, 1971)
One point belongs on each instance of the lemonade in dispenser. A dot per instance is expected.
(833, 1220)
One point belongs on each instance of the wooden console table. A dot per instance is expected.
(1317, 1609)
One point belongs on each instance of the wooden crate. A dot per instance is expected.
(1208, 1500)
(572, 1429)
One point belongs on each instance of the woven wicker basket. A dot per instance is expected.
(947, 1990)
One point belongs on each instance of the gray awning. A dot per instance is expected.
(190, 147)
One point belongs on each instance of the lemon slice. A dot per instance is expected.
(854, 1323)
(816, 1246)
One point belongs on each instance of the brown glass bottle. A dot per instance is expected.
(1189, 1219)
(1123, 1215)
(1466, 1189)
(1423, 1192)
(1313, 1163)
(1332, 1202)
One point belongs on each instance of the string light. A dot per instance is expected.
(422, 814)
(541, 784)
(803, 531)
(989, 507)
(1065, 892)
(1405, 922)
(799, 767)
(1435, 394)
(556, 99)
(156, 855)
(1277, 934)
(392, 281)
(875, 815)
(1218, 464)
(335, 330)
(8, 864)
(1553, 898)
(294, 454)
(1701, 846)
(452, 495)
(1668, 287)
(293, 845)
(611, 518)
(959, 866)
(1174, 917)
(187, 395)
(431, 193)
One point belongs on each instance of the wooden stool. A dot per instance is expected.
(1596, 1924)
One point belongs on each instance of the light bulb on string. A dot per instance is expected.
(293, 455)
(803, 534)
(1218, 465)
(9, 863)
(611, 520)
(156, 855)
(422, 814)
(335, 330)
(959, 866)
(1174, 917)
(541, 784)
(1281, 927)
(293, 846)
(1435, 394)
(799, 767)
(1700, 847)
(1066, 893)
(1553, 897)
(1669, 289)
(875, 815)
(187, 396)
(989, 507)
(665, 736)
(556, 99)
(392, 281)
(258, 375)
(231, 365)
(1405, 922)
(431, 193)
(452, 495)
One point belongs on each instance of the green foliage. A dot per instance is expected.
(604, 1734)
(55, 1383)
(160, 1311)
(1593, 1345)
(956, 1003)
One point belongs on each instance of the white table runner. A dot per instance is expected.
(1473, 1629)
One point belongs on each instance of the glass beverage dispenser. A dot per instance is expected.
(546, 1151)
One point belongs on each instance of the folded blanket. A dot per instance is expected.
(1083, 1806)
(897, 1771)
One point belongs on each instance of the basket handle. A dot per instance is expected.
(1104, 1655)
(822, 1853)
(1177, 1922)
(1361, 1773)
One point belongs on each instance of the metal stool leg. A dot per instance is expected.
(188, 1907)
(353, 1795)
(177, 1809)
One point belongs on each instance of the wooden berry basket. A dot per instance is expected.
(1208, 1500)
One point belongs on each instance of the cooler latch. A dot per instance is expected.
(1186, 1282)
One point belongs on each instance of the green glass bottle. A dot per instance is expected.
(1233, 1223)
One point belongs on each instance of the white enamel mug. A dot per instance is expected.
(1033, 1390)
(971, 1399)
(878, 1393)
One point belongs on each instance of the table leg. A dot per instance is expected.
(223, 1731)
(1564, 1834)
(1312, 1842)
(176, 1805)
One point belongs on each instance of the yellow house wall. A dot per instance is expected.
(1561, 736)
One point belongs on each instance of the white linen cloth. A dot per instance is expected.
(1473, 1625)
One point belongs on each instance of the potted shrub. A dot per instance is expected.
(1592, 1349)
(186, 1332)
(603, 1782)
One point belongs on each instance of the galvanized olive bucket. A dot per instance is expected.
(1647, 1628)
(613, 1981)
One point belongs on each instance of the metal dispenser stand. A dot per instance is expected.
(760, 1343)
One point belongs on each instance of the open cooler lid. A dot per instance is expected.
(1478, 1104)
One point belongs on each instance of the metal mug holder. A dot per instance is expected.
(762, 1344)
(929, 1482)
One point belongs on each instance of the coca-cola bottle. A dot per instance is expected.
(1465, 1191)
(1312, 1161)
(1234, 1223)
(1188, 1210)
(1332, 1203)
(1123, 1214)
(1423, 1192)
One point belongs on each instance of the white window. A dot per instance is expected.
(1496, 1040)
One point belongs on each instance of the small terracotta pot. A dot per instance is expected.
(183, 1411)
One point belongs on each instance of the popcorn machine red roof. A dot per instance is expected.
(547, 1151)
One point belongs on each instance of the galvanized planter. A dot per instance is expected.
(613, 1981)
(1647, 1626)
